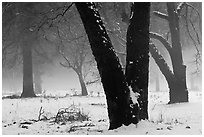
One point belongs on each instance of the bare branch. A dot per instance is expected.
(41, 111)
(94, 81)
(162, 40)
(191, 37)
(163, 66)
(198, 39)
(48, 20)
(66, 66)
(63, 13)
(199, 16)
(161, 15)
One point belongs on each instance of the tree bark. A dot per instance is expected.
(110, 70)
(179, 92)
(27, 71)
(137, 60)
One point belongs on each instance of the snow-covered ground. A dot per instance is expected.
(183, 118)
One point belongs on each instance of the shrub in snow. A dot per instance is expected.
(72, 113)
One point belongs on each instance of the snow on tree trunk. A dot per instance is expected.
(27, 71)
(137, 60)
(110, 70)
(179, 93)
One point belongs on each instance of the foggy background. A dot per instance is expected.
(56, 78)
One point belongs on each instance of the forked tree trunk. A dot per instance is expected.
(178, 89)
(110, 70)
(137, 61)
(177, 79)
(27, 71)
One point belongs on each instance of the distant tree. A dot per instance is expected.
(23, 24)
(17, 19)
(73, 47)
(76, 55)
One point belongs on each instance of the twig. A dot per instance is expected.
(40, 113)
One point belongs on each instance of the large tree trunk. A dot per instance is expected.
(178, 91)
(110, 70)
(82, 84)
(137, 61)
(27, 71)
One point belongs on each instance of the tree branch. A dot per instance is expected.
(197, 36)
(66, 66)
(163, 66)
(161, 15)
(162, 40)
(63, 13)
(199, 16)
(191, 37)
(47, 19)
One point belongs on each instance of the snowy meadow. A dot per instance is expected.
(30, 116)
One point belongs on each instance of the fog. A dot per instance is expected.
(58, 78)
(50, 47)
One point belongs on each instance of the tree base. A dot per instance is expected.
(178, 96)
(115, 125)
(28, 95)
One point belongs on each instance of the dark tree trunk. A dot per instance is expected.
(37, 80)
(178, 92)
(110, 70)
(83, 85)
(137, 60)
(27, 71)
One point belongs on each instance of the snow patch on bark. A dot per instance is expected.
(134, 96)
